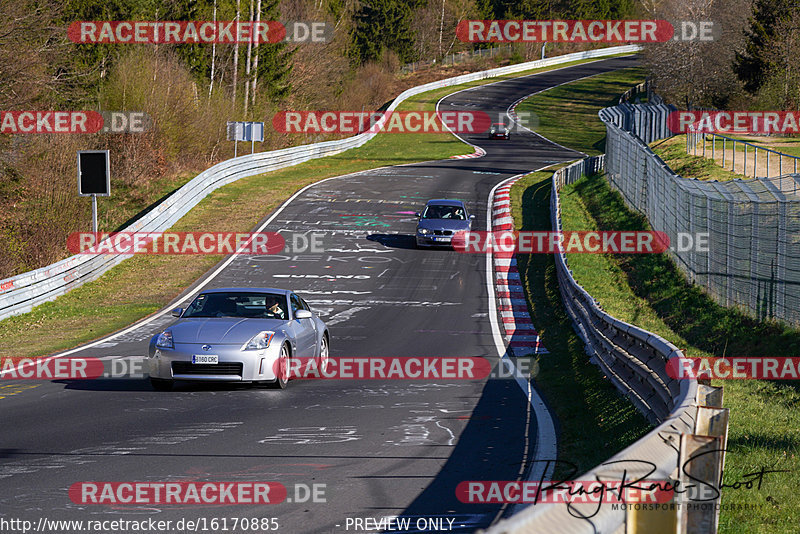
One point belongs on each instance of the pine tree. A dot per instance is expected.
(274, 60)
(753, 65)
(381, 25)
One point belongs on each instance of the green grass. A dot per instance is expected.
(786, 145)
(144, 284)
(568, 114)
(673, 151)
(649, 291)
(578, 393)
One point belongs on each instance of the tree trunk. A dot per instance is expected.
(247, 64)
(236, 56)
(255, 59)
(441, 30)
(213, 54)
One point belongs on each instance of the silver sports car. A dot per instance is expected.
(238, 335)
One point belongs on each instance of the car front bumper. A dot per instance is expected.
(434, 240)
(234, 365)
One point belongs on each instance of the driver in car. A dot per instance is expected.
(275, 308)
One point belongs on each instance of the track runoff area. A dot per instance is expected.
(322, 455)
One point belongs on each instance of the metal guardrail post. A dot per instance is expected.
(701, 459)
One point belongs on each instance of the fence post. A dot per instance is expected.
(767, 175)
(723, 152)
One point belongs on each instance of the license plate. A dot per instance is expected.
(205, 358)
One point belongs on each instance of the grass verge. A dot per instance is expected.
(649, 291)
(673, 151)
(144, 284)
(582, 398)
(577, 104)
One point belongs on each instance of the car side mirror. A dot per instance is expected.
(177, 312)
(303, 314)
(471, 217)
(416, 214)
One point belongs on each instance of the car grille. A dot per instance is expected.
(222, 368)
(442, 232)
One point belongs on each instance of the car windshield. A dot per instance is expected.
(441, 211)
(238, 304)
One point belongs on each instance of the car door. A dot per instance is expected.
(305, 330)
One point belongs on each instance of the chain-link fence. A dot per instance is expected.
(739, 239)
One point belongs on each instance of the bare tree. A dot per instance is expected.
(696, 73)
(236, 55)
(247, 66)
(255, 59)
(213, 54)
(782, 86)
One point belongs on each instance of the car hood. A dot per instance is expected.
(443, 224)
(224, 330)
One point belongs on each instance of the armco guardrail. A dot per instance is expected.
(748, 229)
(635, 361)
(21, 293)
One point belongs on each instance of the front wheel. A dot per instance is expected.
(324, 354)
(282, 376)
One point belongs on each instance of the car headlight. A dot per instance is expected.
(422, 231)
(259, 341)
(164, 340)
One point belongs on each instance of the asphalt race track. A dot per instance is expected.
(381, 448)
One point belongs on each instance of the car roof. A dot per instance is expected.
(248, 290)
(444, 202)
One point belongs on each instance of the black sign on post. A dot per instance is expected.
(94, 173)
(94, 178)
